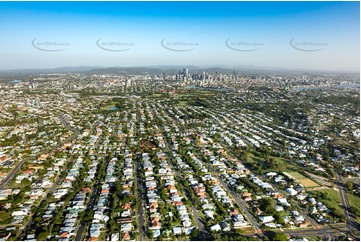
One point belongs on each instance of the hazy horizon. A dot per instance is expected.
(180, 67)
(309, 36)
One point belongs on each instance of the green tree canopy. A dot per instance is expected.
(267, 205)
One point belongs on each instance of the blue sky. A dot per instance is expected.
(288, 35)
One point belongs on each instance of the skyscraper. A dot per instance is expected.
(185, 71)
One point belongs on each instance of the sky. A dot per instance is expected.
(321, 36)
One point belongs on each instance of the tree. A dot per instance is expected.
(25, 182)
(280, 237)
(194, 233)
(43, 235)
(279, 219)
(89, 215)
(276, 236)
(355, 210)
(188, 203)
(125, 129)
(267, 205)
(4, 216)
(349, 186)
(150, 233)
(337, 213)
(19, 197)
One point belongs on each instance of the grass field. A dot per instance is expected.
(354, 200)
(306, 182)
(355, 204)
(297, 175)
(283, 163)
(247, 230)
(156, 95)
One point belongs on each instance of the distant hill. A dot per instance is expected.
(151, 70)
(167, 69)
(25, 72)
(124, 71)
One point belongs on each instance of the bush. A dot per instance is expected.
(42, 236)
(4, 216)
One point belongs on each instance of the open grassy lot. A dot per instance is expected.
(354, 200)
(156, 95)
(355, 205)
(306, 182)
(247, 230)
(282, 164)
(297, 175)
(182, 103)
(328, 194)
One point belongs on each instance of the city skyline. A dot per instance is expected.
(319, 36)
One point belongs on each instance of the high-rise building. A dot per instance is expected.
(37, 102)
(32, 85)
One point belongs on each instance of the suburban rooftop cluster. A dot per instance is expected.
(180, 156)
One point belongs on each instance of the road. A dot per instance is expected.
(52, 188)
(82, 228)
(242, 204)
(315, 232)
(336, 229)
(45, 198)
(141, 220)
(80, 233)
(351, 224)
(199, 225)
(244, 208)
(18, 167)
(56, 182)
(313, 222)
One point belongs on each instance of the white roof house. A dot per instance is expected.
(266, 219)
(215, 227)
